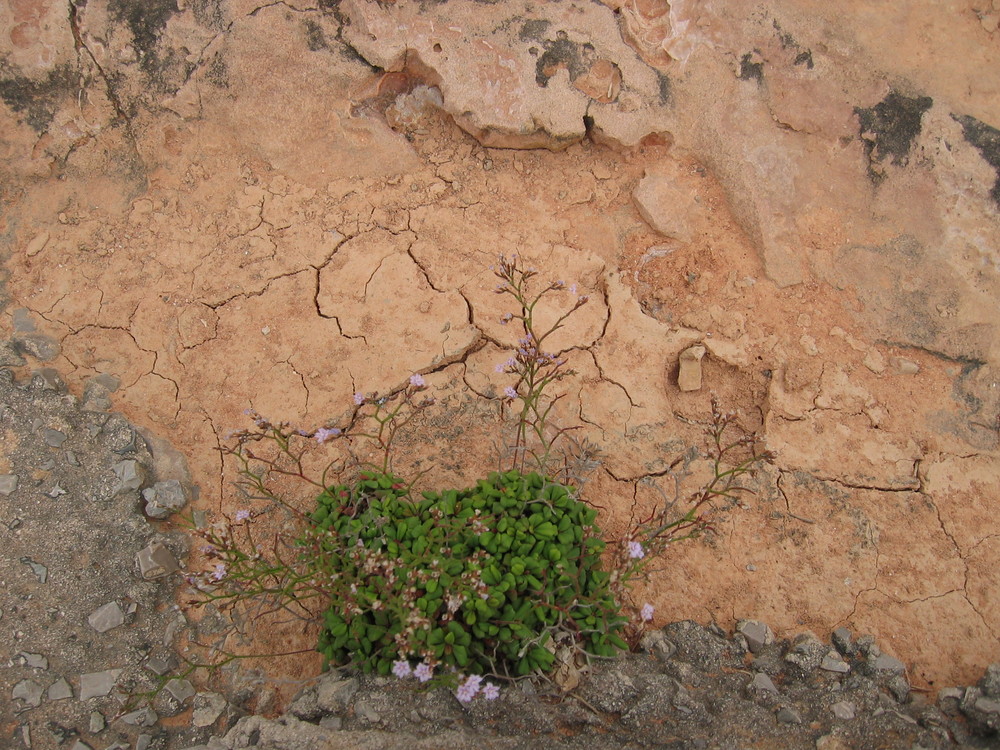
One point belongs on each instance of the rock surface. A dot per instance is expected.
(215, 206)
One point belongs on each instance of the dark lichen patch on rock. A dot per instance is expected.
(315, 40)
(751, 68)
(534, 29)
(36, 101)
(146, 21)
(560, 53)
(986, 139)
(889, 128)
(209, 13)
(663, 82)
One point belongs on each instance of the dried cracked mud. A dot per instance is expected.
(230, 205)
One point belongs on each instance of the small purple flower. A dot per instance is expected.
(323, 434)
(359, 398)
(423, 671)
(241, 516)
(507, 317)
(635, 551)
(417, 381)
(509, 392)
(490, 691)
(401, 669)
(219, 573)
(501, 367)
(572, 289)
(646, 613)
(468, 689)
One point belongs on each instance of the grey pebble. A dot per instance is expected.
(180, 689)
(71, 459)
(28, 691)
(97, 722)
(757, 634)
(788, 715)
(131, 475)
(98, 684)
(143, 741)
(156, 561)
(988, 705)
(56, 491)
(761, 681)
(81, 745)
(833, 663)
(59, 690)
(143, 717)
(159, 665)
(8, 483)
(886, 663)
(366, 711)
(35, 661)
(843, 710)
(106, 617)
(208, 707)
(990, 683)
(53, 438)
(40, 571)
(164, 498)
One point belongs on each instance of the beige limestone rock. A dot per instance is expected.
(689, 374)
(667, 207)
(511, 79)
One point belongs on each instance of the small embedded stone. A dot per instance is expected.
(106, 617)
(158, 665)
(689, 375)
(35, 661)
(8, 483)
(844, 710)
(180, 690)
(164, 498)
(143, 717)
(53, 438)
(40, 571)
(98, 684)
(156, 561)
(131, 475)
(764, 683)
(903, 366)
(97, 722)
(37, 244)
(886, 663)
(987, 705)
(757, 634)
(59, 690)
(208, 707)
(833, 663)
(28, 691)
(788, 715)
